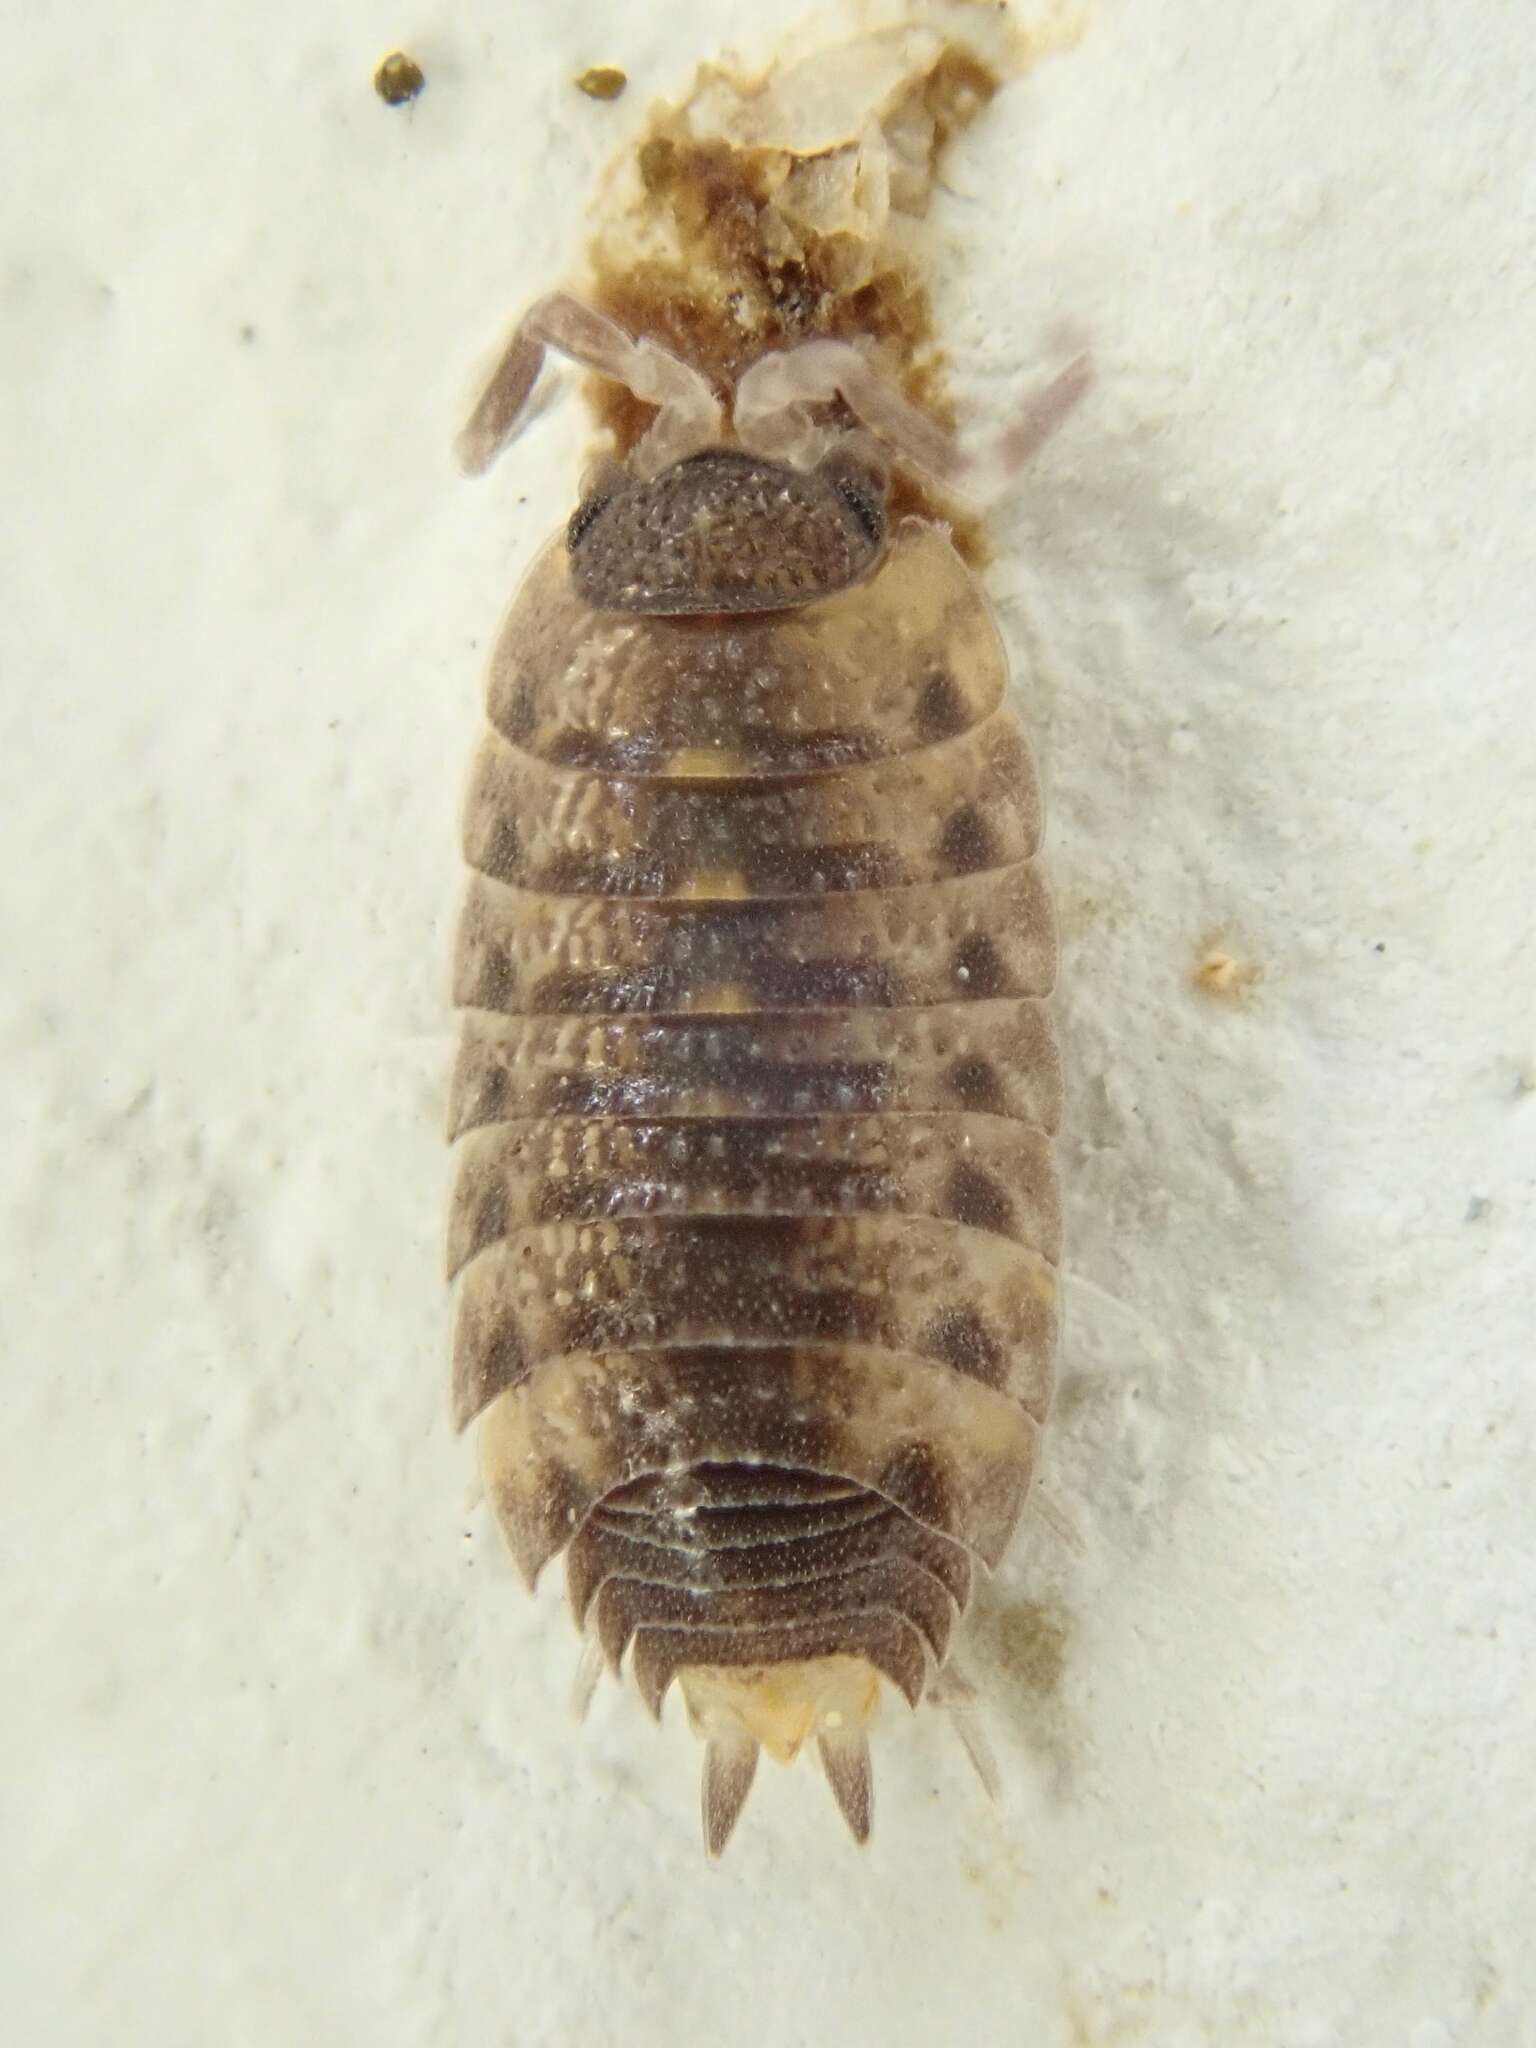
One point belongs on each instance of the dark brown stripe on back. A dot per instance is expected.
(980, 1171)
(951, 809)
(997, 1058)
(969, 939)
(968, 1299)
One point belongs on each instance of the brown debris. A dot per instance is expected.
(741, 223)
(602, 81)
(398, 79)
(1220, 973)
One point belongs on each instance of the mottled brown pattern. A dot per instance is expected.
(954, 1454)
(569, 832)
(889, 1586)
(997, 1057)
(724, 531)
(704, 1549)
(963, 940)
(977, 1300)
(756, 1218)
(696, 1564)
(854, 679)
(988, 1172)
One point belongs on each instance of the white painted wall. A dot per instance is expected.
(287, 1751)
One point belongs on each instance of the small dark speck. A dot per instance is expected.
(1380, 946)
(1477, 1208)
(398, 79)
(247, 334)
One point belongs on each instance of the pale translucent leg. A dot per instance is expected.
(1044, 1504)
(690, 413)
(954, 1692)
(771, 417)
(588, 1671)
(1080, 1288)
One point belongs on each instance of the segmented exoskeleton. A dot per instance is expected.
(756, 1215)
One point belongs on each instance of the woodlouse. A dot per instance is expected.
(756, 1218)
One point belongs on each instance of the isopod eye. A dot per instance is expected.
(861, 481)
(603, 477)
(583, 517)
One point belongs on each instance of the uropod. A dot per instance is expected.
(756, 1223)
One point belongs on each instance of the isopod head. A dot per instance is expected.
(725, 530)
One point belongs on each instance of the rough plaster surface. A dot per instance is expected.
(288, 1753)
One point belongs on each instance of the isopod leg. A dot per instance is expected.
(769, 407)
(690, 412)
(1041, 414)
(588, 1671)
(503, 404)
(772, 396)
(954, 1692)
(1045, 1506)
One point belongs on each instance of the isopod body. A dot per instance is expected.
(756, 1218)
